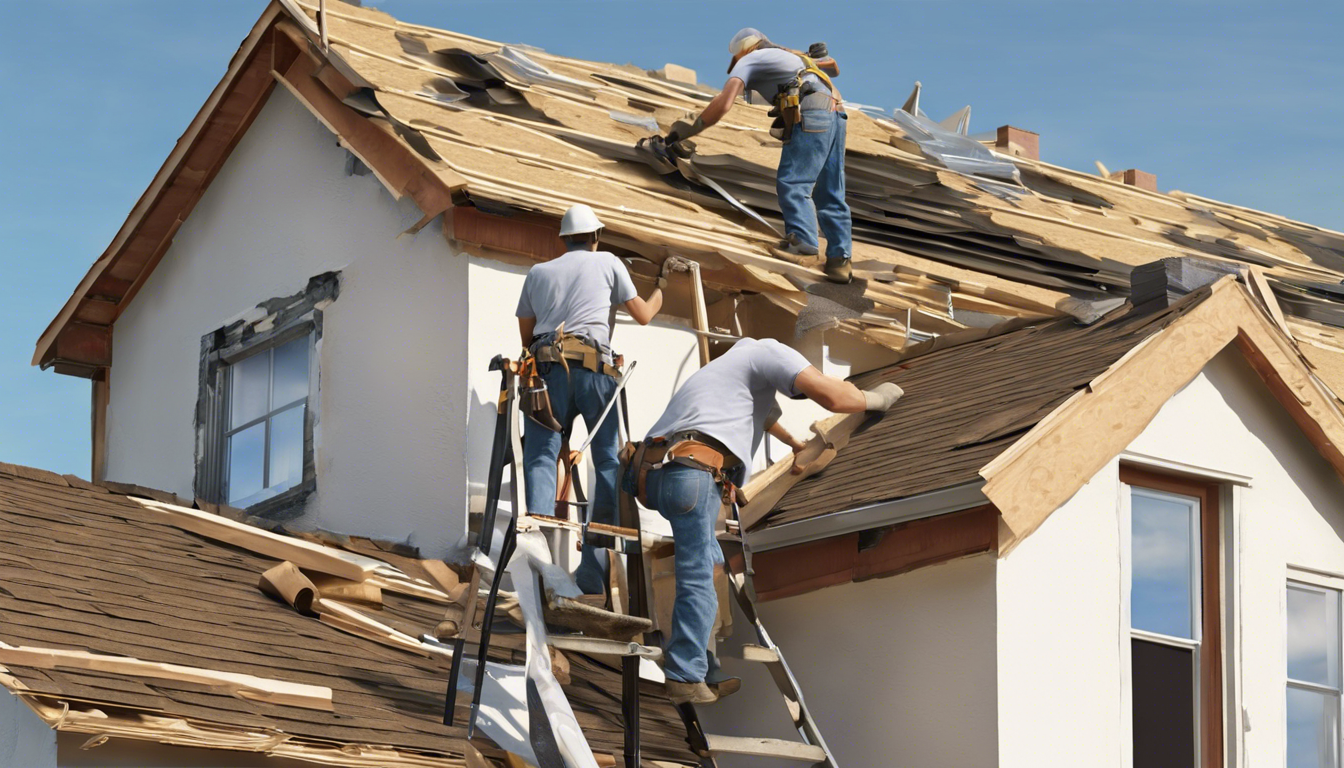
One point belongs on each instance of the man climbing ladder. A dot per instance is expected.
(691, 462)
(564, 319)
(810, 120)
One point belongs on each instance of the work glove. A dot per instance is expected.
(879, 399)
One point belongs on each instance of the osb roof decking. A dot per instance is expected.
(527, 137)
(82, 568)
(966, 404)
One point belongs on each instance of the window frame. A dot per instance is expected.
(1207, 595)
(223, 431)
(214, 430)
(1322, 582)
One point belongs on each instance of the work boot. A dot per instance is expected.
(725, 687)
(838, 271)
(795, 251)
(690, 693)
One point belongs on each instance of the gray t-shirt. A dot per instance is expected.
(578, 289)
(765, 69)
(733, 398)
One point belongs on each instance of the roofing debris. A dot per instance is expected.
(949, 234)
(134, 618)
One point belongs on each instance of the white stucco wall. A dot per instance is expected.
(1061, 668)
(1059, 613)
(393, 381)
(897, 671)
(24, 739)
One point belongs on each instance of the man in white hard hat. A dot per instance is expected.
(811, 120)
(577, 295)
(686, 467)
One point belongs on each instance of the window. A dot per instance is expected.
(256, 424)
(264, 434)
(1313, 676)
(1175, 619)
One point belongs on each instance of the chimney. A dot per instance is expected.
(1136, 178)
(1161, 283)
(679, 74)
(1019, 142)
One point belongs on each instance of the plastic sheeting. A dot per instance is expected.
(513, 63)
(953, 150)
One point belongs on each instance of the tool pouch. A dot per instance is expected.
(788, 109)
(537, 403)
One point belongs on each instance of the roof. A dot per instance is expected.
(86, 569)
(966, 404)
(465, 125)
(1031, 414)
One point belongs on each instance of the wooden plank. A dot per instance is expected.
(302, 553)
(779, 748)
(699, 315)
(830, 436)
(250, 687)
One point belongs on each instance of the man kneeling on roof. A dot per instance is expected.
(810, 119)
(693, 457)
(564, 317)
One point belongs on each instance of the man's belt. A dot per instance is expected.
(692, 449)
(574, 349)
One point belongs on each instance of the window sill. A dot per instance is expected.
(286, 505)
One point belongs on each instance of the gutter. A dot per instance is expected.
(884, 513)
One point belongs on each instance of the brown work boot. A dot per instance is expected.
(838, 271)
(794, 251)
(726, 687)
(690, 693)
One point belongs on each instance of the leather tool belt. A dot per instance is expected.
(691, 449)
(566, 349)
(803, 92)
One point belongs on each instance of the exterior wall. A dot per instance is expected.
(24, 739)
(1059, 687)
(1063, 686)
(393, 383)
(897, 671)
(1290, 515)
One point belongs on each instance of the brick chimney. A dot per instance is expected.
(1136, 178)
(1161, 283)
(1019, 142)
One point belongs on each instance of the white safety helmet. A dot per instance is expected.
(578, 220)
(745, 40)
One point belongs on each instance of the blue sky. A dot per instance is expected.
(1238, 101)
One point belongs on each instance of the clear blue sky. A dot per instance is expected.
(1238, 101)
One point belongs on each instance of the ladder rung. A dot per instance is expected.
(780, 748)
(760, 653)
(597, 646)
(547, 521)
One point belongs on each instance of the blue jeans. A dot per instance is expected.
(811, 182)
(578, 392)
(690, 500)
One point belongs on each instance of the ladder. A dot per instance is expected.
(628, 538)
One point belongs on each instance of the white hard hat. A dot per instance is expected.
(745, 40)
(578, 220)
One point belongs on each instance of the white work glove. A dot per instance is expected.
(662, 283)
(882, 397)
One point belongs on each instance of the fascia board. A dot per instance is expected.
(870, 516)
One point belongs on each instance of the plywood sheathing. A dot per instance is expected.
(1057, 456)
(85, 569)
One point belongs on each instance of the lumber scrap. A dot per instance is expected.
(830, 436)
(243, 686)
(777, 748)
(303, 554)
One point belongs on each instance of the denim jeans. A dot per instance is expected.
(690, 500)
(811, 182)
(578, 392)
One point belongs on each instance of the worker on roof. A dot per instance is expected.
(810, 119)
(690, 462)
(564, 315)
